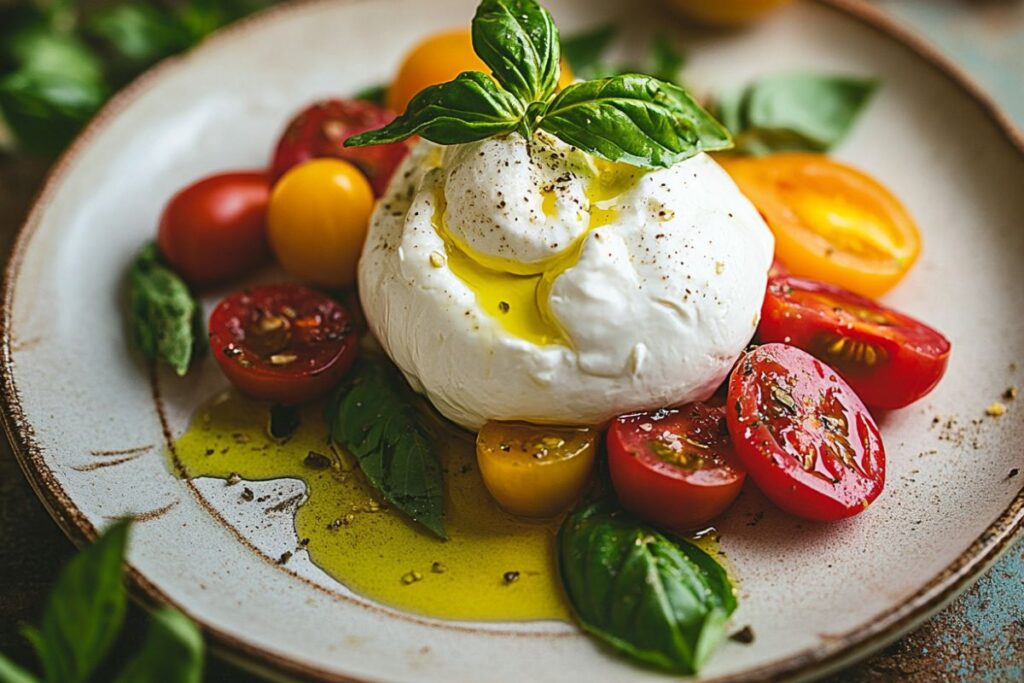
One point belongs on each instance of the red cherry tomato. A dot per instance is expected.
(321, 130)
(778, 268)
(675, 468)
(282, 343)
(216, 229)
(888, 358)
(803, 434)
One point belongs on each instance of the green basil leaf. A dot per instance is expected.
(12, 673)
(84, 611)
(140, 33)
(163, 317)
(171, 653)
(374, 93)
(795, 111)
(661, 601)
(666, 59)
(470, 108)
(635, 119)
(584, 51)
(519, 41)
(375, 420)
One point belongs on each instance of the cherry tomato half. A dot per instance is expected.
(215, 229)
(831, 222)
(889, 359)
(804, 436)
(320, 131)
(282, 343)
(675, 468)
(535, 470)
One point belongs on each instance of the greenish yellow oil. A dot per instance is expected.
(373, 550)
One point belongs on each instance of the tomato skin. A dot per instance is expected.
(804, 436)
(214, 230)
(890, 359)
(251, 329)
(664, 493)
(831, 222)
(321, 129)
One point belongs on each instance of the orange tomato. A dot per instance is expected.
(724, 12)
(440, 58)
(831, 221)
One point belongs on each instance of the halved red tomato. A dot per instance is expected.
(282, 343)
(320, 131)
(803, 434)
(675, 468)
(888, 358)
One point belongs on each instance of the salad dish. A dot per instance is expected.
(546, 346)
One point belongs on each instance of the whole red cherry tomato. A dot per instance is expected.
(804, 436)
(888, 358)
(282, 343)
(215, 229)
(321, 129)
(675, 468)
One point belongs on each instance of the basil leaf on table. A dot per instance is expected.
(518, 40)
(84, 611)
(661, 601)
(470, 108)
(584, 51)
(375, 420)
(12, 673)
(163, 315)
(634, 119)
(171, 653)
(794, 111)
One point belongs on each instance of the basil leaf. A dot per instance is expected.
(140, 33)
(584, 50)
(661, 601)
(470, 108)
(635, 119)
(374, 93)
(795, 111)
(375, 420)
(171, 653)
(12, 673)
(163, 317)
(519, 41)
(84, 611)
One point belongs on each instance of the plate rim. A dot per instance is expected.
(809, 663)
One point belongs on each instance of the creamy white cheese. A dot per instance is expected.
(515, 281)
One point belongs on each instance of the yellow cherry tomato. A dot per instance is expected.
(438, 59)
(317, 219)
(831, 222)
(725, 12)
(533, 470)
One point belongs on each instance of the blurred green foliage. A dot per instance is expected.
(61, 59)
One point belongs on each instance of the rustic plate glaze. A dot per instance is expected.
(90, 425)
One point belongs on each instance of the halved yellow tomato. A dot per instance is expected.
(534, 470)
(440, 58)
(831, 222)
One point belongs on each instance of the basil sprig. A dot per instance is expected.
(374, 419)
(794, 111)
(632, 118)
(163, 317)
(661, 601)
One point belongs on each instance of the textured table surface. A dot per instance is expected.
(980, 636)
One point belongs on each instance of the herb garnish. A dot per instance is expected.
(633, 118)
(164, 319)
(84, 615)
(658, 600)
(373, 418)
(794, 111)
(585, 53)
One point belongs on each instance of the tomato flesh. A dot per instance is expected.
(282, 343)
(214, 230)
(675, 468)
(890, 359)
(320, 131)
(806, 439)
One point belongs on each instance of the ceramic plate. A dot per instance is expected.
(90, 425)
